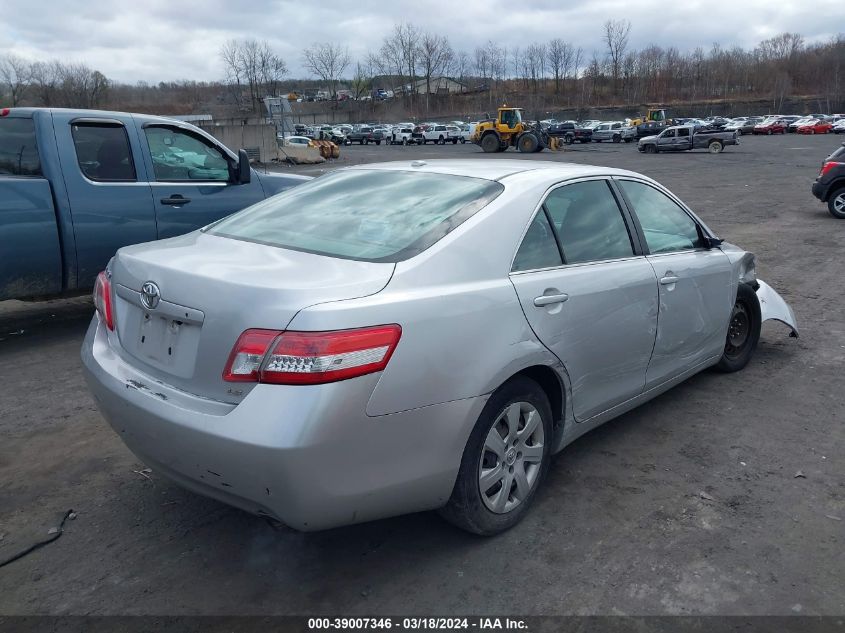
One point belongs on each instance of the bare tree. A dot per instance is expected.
(555, 53)
(615, 37)
(327, 61)
(252, 64)
(435, 55)
(15, 73)
(461, 67)
(398, 56)
(362, 80)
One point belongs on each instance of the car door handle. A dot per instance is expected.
(547, 300)
(668, 280)
(176, 200)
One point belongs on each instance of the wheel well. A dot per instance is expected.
(834, 187)
(551, 384)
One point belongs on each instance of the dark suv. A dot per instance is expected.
(571, 133)
(830, 183)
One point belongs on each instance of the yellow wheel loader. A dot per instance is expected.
(509, 130)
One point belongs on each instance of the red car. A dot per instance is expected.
(773, 126)
(816, 127)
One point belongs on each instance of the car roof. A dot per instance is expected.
(491, 169)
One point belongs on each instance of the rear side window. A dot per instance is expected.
(667, 227)
(363, 214)
(538, 248)
(103, 153)
(589, 222)
(18, 149)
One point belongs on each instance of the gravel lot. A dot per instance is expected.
(724, 495)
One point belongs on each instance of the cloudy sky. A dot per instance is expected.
(154, 40)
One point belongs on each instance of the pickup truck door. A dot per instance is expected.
(30, 256)
(666, 140)
(684, 138)
(107, 187)
(192, 179)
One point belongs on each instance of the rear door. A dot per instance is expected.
(192, 179)
(589, 294)
(107, 187)
(694, 283)
(30, 254)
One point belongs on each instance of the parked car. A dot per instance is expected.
(742, 126)
(332, 356)
(361, 134)
(76, 185)
(770, 126)
(829, 185)
(453, 134)
(615, 131)
(571, 132)
(401, 135)
(299, 141)
(436, 133)
(685, 137)
(839, 127)
(815, 126)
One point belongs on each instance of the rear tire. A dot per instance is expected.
(836, 204)
(490, 143)
(715, 147)
(617, 139)
(743, 330)
(505, 460)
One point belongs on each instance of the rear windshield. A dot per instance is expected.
(363, 214)
(18, 150)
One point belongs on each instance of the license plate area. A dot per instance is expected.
(166, 338)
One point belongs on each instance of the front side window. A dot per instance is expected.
(669, 134)
(178, 156)
(364, 214)
(588, 222)
(18, 149)
(539, 247)
(667, 227)
(103, 152)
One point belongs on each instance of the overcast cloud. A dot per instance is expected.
(158, 40)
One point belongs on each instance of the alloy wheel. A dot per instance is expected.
(511, 457)
(839, 203)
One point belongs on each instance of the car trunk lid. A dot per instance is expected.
(181, 303)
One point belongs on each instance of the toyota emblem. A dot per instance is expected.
(150, 295)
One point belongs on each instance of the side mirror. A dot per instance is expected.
(711, 242)
(244, 174)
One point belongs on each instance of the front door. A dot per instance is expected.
(192, 182)
(588, 296)
(694, 284)
(107, 187)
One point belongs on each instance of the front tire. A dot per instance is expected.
(490, 143)
(743, 330)
(505, 460)
(836, 204)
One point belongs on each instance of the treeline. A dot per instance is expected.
(409, 59)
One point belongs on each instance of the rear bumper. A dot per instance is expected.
(306, 455)
(820, 191)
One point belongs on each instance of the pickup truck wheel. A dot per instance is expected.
(442, 140)
(651, 149)
(715, 147)
(454, 141)
(836, 204)
(617, 139)
(743, 330)
(490, 143)
(505, 460)
(567, 140)
(463, 140)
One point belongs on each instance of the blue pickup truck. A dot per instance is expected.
(76, 185)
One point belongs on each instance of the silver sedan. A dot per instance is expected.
(409, 336)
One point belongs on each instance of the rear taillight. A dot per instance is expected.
(102, 300)
(310, 358)
(828, 166)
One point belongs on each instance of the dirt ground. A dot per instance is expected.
(723, 496)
